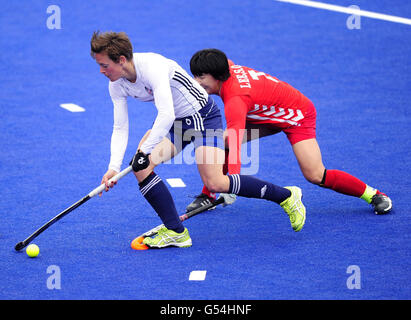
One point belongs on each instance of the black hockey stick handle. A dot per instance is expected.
(24, 243)
(192, 213)
(184, 216)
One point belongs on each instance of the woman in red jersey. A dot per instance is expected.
(254, 99)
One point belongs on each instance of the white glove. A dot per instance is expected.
(229, 198)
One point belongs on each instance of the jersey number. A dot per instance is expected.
(255, 75)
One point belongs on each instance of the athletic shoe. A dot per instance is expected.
(382, 203)
(167, 238)
(200, 201)
(294, 207)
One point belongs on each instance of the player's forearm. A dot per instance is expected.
(233, 141)
(164, 103)
(234, 138)
(160, 129)
(119, 137)
(119, 141)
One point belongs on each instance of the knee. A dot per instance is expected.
(314, 176)
(213, 186)
(143, 174)
(216, 184)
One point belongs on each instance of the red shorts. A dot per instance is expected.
(307, 128)
(304, 131)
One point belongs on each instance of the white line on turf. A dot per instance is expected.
(176, 182)
(197, 275)
(72, 107)
(357, 12)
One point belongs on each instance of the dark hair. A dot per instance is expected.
(113, 44)
(211, 61)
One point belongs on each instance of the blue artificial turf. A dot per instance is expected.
(359, 81)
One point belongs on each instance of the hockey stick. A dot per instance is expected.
(137, 243)
(93, 193)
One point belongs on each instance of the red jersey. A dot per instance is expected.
(257, 97)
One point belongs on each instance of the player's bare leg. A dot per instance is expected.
(309, 158)
(210, 162)
(248, 186)
(163, 152)
(157, 194)
(253, 131)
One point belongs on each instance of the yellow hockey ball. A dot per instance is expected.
(32, 250)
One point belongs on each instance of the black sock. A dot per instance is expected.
(251, 187)
(159, 197)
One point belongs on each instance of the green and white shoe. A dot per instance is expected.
(294, 207)
(168, 238)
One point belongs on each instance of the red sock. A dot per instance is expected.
(344, 183)
(208, 193)
(225, 171)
